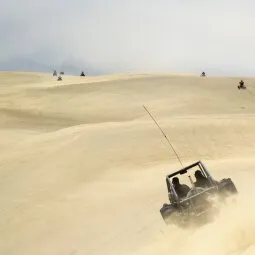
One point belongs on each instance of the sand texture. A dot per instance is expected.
(83, 166)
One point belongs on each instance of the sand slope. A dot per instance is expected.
(82, 165)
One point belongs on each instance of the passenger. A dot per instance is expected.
(181, 189)
(201, 181)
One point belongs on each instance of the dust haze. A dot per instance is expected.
(132, 36)
(82, 165)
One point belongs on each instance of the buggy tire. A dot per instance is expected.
(227, 186)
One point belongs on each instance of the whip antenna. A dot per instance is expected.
(163, 134)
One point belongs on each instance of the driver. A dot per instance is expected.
(181, 189)
(201, 181)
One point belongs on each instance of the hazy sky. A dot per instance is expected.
(133, 35)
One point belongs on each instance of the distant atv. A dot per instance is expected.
(241, 85)
(199, 205)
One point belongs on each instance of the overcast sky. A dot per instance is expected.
(133, 35)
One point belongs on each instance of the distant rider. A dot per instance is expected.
(241, 84)
(181, 189)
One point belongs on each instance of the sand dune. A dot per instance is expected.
(82, 165)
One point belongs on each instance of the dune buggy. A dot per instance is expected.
(201, 203)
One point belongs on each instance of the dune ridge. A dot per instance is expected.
(82, 165)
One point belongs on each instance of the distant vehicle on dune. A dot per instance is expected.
(241, 85)
(203, 74)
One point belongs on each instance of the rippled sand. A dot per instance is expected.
(82, 165)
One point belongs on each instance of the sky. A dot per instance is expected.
(133, 35)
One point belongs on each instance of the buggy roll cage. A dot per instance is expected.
(170, 188)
